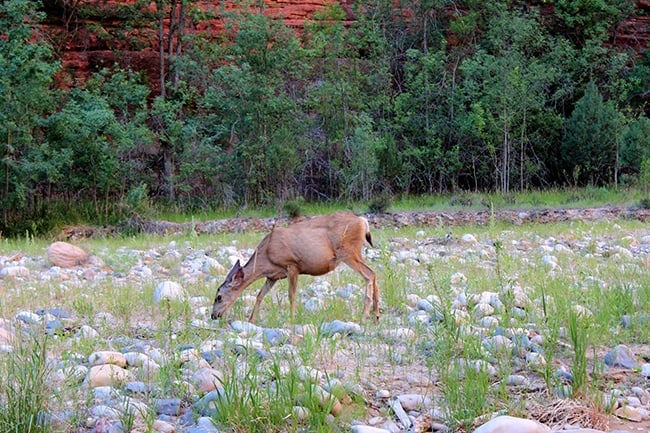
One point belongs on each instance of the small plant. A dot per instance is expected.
(24, 394)
(466, 390)
(380, 203)
(250, 402)
(579, 337)
(292, 209)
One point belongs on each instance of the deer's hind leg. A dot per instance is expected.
(292, 274)
(372, 291)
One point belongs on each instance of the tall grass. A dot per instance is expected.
(24, 391)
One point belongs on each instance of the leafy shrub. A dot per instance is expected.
(380, 203)
(292, 209)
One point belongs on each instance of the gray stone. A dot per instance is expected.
(208, 404)
(645, 370)
(340, 327)
(168, 406)
(620, 356)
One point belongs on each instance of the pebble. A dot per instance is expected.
(368, 429)
(509, 424)
(629, 413)
(340, 327)
(169, 290)
(108, 374)
(14, 271)
(411, 402)
(207, 379)
(620, 356)
(107, 357)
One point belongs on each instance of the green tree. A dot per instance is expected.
(506, 84)
(250, 114)
(27, 69)
(589, 149)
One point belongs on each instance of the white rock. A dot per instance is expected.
(107, 357)
(87, 332)
(469, 239)
(458, 279)
(482, 310)
(211, 264)
(105, 412)
(169, 290)
(207, 379)
(160, 426)
(645, 370)
(550, 261)
(14, 271)
(509, 424)
(28, 317)
(414, 401)
(107, 374)
(367, 429)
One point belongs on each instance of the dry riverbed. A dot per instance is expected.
(465, 295)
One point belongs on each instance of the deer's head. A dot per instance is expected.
(229, 291)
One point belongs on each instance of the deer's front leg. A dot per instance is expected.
(263, 291)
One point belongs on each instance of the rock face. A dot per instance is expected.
(66, 255)
(100, 33)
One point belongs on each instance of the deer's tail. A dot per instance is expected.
(368, 236)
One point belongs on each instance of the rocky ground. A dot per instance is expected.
(399, 390)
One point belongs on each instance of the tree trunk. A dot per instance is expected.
(161, 45)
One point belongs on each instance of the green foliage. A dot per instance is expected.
(27, 69)
(635, 144)
(380, 203)
(589, 146)
(24, 391)
(407, 98)
(292, 209)
(249, 405)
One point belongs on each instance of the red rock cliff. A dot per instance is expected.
(92, 34)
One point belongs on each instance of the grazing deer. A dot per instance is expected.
(313, 246)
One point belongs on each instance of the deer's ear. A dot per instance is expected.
(239, 275)
(236, 267)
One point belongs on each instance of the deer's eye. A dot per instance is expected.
(219, 298)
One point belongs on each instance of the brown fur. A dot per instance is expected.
(313, 246)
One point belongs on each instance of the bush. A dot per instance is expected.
(380, 203)
(292, 209)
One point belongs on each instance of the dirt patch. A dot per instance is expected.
(388, 219)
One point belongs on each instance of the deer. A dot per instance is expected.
(313, 246)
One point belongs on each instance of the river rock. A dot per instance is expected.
(161, 426)
(414, 401)
(108, 374)
(620, 356)
(14, 271)
(629, 413)
(367, 429)
(509, 424)
(66, 255)
(107, 357)
(207, 379)
(169, 290)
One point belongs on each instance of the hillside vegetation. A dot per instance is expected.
(426, 97)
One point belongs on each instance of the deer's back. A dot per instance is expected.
(308, 249)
